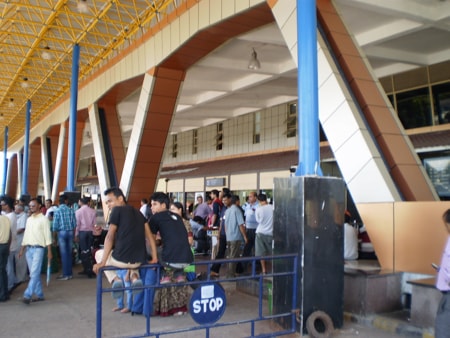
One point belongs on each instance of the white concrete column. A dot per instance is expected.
(99, 148)
(59, 155)
(19, 172)
(45, 168)
(136, 133)
(8, 175)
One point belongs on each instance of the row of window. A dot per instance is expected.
(291, 130)
(423, 107)
(416, 108)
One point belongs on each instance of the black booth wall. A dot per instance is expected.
(308, 220)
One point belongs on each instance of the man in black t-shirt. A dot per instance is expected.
(222, 235)
(176, 251)
(128, 231)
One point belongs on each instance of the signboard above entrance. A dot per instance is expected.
(215, 182)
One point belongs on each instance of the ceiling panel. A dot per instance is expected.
(37, 38)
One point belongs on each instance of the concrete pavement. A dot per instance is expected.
(70, 311)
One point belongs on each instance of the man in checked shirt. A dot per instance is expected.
(64, 224)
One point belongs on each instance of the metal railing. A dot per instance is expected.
(290, 316)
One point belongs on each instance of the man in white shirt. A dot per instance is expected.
(350, 239)
(143, 208)
(5, 241)
(7, 204)
(49, 207)
(264, 231)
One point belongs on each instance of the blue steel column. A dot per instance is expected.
(5, 162)
(26, 148)
(73, 120)
(307, 112)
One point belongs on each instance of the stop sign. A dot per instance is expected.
(207, 304)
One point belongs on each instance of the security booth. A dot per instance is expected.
(308, 220)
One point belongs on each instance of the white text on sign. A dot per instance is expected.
(209, 304)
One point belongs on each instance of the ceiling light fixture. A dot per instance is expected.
(82, 6)
(11, 103)
(45, 54)
(254, 62)
(24, 84)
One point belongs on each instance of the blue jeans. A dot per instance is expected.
(65, 241)
(120, 304)
(35, 257)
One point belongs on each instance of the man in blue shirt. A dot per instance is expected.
(64, 224)
(235, 232)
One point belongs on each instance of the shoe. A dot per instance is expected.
(165, 280)
(26, 301)
(15, 286)
(117, 284)
(180, 279)
(136, 284)
(61, 277)
(37, 300)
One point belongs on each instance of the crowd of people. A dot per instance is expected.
(243, 230)
(160, 231)
(34, 236)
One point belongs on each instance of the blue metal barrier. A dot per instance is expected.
(291, 315)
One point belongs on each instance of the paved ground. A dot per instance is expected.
(70, 311)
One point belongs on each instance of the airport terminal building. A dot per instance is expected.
(167, 101)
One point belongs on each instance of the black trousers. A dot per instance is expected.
(4, 253)
(86, 243)
(248, 248)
